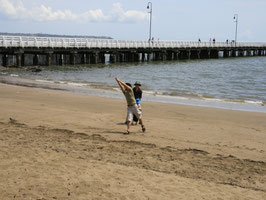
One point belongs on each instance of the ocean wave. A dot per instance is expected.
(202, 97)
(180, 94)
(44, 81)
(76, 84)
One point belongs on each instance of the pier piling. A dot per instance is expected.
(18, 60)
(48, 59)
(36, 60)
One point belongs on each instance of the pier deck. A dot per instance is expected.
(22, 50)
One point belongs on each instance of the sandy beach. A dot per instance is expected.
(61, 145)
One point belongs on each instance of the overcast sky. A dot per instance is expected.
(129, 19)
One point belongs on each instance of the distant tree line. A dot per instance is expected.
(54, 35)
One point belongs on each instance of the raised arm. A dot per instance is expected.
(118, 82)
(122, 85)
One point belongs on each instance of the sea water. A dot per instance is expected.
(233, 83)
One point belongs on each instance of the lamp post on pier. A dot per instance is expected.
(236, 21)
(149, 6)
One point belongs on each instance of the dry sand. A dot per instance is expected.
(59, 145)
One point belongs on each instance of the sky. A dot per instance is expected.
(179, 20)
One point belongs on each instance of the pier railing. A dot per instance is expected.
(56, 42)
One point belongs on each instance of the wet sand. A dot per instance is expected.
(60, 145)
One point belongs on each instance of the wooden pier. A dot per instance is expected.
(32, 51)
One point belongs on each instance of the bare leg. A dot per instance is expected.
(128, 125)
(142, 125)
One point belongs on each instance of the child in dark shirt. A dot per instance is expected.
(138, 96)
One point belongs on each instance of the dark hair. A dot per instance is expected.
(128, 84)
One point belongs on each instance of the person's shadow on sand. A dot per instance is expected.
(114, 132)
(121, 123)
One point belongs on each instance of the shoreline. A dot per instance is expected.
(58, 144)
(148, 96)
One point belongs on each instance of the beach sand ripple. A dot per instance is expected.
(36, 160)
